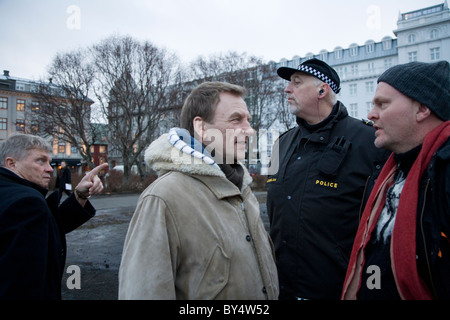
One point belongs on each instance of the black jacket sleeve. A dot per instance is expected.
(70, 214)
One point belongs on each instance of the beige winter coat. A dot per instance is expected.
(195, 235)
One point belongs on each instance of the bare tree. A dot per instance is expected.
(284, 116)
(230, 67)
(132, 87)
(64, 103)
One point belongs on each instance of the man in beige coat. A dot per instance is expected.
(197, 231)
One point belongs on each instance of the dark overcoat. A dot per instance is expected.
(32, 237)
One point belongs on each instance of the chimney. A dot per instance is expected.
(6, 73)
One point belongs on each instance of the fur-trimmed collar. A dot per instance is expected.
(167, 153)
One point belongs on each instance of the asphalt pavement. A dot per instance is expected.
(96, 248)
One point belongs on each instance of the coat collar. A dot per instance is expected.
(321, 132)
(219, 186)
(8, 174)
(162, 156)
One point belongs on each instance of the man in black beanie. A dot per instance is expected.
(402, 248)
(314, 198)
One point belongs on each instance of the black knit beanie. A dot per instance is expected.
(427, 83)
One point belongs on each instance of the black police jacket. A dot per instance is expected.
(314, 201)
(32, 238)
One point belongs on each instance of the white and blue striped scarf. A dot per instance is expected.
(178, 137)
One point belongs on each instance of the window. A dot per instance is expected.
(412, 56)
(387, 43)
(35, 106)
(61, 148)
(387, 63)
(3, 103)
(102, 149)
(354, 69)
(435, 53)
(370, 46)
(338, 53)
(34, 126)
(369, 106)
(3, 124)
(20, 105)
(371, 67)
(354, 109)
(353, 89)
(20, 125)
(73, 149)
(369, 87)
(353, 49)
(412, 38)
(434, 34)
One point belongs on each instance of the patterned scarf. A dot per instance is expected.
(403, 243)
(180, 138)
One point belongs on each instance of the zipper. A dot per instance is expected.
(361, 207)
(423, 238)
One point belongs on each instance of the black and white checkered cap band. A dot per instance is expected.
(320, 75)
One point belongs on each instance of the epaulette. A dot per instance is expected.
(368, 122)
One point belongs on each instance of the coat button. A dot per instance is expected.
(264, 290)
(248, 238)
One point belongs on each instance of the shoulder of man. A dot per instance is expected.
(358, 125)
(285, 134)
(444, 151)
(367, 122)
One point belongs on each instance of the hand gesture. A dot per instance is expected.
(90, 184)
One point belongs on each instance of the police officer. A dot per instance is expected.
(315, 197)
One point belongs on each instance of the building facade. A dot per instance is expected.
(422, 35)
(18, 104)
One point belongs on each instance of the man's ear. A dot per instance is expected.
(199, 127)
(10, 163)
(423, 112)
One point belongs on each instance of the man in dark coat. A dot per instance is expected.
(402, 247)
(32, 228)
(314, 198)
(63, 179)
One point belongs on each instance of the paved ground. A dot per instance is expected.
(96, 247)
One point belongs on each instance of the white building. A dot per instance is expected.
(422, 35)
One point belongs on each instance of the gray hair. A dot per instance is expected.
(18, 145)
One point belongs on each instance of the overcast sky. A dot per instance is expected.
(32, 31)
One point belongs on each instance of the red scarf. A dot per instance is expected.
(403, 241)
